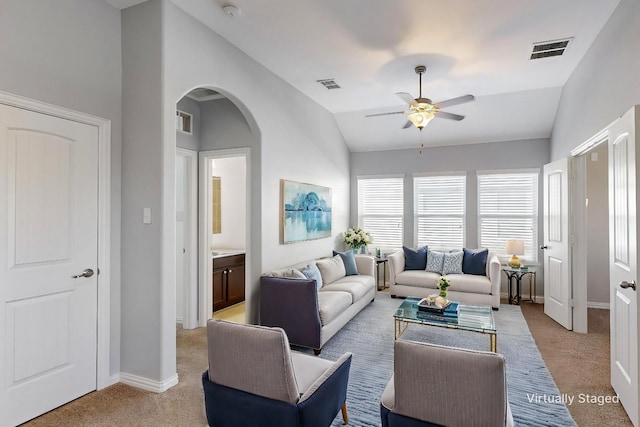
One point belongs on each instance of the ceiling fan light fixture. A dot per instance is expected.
(422, 113)
(420, 118)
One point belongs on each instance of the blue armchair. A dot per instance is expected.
(443, 386)
(254, 379)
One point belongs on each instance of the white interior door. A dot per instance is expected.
(623, 262)
(557, 273)
(48, 233)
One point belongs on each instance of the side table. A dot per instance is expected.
(384, 262)
(514, 277)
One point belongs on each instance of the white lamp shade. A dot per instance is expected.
(514, 247)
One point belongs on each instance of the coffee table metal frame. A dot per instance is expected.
(472, 318)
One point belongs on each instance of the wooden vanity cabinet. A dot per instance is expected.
(228, 281)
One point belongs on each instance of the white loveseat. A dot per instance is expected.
(465, 288)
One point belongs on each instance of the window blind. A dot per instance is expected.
(508, 210)
(380, 210)
(440, 211)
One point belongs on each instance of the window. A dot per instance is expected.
(380, 210)
(439, 211)
(508, 209)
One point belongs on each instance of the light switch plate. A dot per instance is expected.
(146, 215)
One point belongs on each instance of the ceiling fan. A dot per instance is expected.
(422, 110)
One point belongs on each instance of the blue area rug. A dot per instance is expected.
(369, 336)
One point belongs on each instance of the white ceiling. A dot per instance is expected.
(371, 47)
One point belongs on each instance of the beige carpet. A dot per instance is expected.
(578, 363)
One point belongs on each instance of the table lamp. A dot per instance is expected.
(514, 247)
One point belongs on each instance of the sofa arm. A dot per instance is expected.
(493, 273)
(366, 265)
(396, 265)
(291, 304)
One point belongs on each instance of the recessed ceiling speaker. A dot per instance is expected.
(231, 10)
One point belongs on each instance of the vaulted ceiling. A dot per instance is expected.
(371, 47)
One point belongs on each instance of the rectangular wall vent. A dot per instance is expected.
(329, 83)
(550, 48)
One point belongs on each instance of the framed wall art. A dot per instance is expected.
(306, 211)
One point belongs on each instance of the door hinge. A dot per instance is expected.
(572, 303)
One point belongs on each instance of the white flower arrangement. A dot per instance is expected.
(356, 238)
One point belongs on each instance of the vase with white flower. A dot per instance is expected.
(357, 239)
(443, 284)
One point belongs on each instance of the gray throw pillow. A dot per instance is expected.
(311, 272)
(453, 263)
(435, 260)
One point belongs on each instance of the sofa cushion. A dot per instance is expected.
(349, 261)
(469, 283)
(435, 260)
(452, 263)
(311, 272)
(357, 286)
(332, 304)
(419, 279)
(415, 259)
(288, 272)
(331, 269)
(475, 261)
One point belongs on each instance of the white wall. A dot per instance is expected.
(232, 173)
(457, 158)
(181, 190)
(598, 226)
(68, 53)
(604, 85)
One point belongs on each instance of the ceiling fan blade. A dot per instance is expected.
(451, 116)
(407, 98)
(406, 125)
(384, 114)
(455, 101)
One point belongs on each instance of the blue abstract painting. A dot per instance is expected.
(306, 211)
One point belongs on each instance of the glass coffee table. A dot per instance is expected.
(474, 318)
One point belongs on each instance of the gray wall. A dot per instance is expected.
(598, 226)
(145, 350)
(67, 53)
(457, 158)
(183, 140)
(284, 143)
(604, 85)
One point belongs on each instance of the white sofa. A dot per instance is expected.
(465, 288)
(311, 316)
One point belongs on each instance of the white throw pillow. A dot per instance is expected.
(453, 263)
(331, 269)
(435, 260)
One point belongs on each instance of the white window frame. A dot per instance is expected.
(438, 214)
(531, 238)
(396, 218)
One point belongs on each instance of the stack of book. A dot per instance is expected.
(449, 313)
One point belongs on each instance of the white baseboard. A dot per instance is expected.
(148, 384)
(600, 305)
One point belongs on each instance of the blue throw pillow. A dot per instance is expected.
(349, 261)
(415, 259)
(475, 262)
(311, 272)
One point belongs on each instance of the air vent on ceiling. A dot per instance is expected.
(550, 48)
(329, 83)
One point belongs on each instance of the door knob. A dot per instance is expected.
(624, 284)
(86, 273)
(543, 247)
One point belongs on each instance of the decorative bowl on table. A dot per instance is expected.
(434, 304)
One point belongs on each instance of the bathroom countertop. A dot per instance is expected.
(220, 253)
